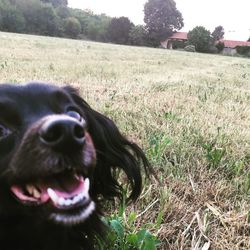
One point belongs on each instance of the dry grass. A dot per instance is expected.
(190, 112)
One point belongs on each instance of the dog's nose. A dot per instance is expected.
(63, 133)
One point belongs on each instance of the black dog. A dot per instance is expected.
(58, 162)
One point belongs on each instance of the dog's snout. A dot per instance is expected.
(63, 133)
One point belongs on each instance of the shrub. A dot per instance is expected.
(213, 49)
(190, 48)
(118, 30)
(200, 38)
(124, 235)
(137, 35)
(72, 27)
(178, 44)
(220, 46)
(243, 50)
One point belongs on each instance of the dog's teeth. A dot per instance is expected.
(85, 192)
(61, 201)
(32, 190)
(67, 202)
(80, 196)
(52, 194)
(86, 185)
(77, 177)
(36, 193)
(29, 188)
(75, 199)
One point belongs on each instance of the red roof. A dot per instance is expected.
(179, 35)
(233, 44)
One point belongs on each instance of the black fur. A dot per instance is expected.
(24, 159)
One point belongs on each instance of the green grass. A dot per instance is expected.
(191, 114)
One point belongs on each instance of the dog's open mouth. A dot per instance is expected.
(68, 193)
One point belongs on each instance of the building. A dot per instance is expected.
(176, 37)
(230, 46)
(179, 38)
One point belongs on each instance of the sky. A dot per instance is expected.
(232, 15)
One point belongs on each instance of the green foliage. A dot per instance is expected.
(84, 17)
(218, 33)
(162, 18)
(241, 175)
(200, 38)
(34, 14)
(97, 27)
(56, 3)
(53, 18)
(72, 27)
(220, 46)
(178, 44)
(158, 143)
(213, 49)
(124, 235)
(119, 29)
(214, 155)
(137, 35)
(247, 183)
(243, 50)
(63, 12)
(48, 22)
(215, 149)
(11, 19)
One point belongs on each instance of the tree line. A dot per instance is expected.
(55, 18)
(51, 18)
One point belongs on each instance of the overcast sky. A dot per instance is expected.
(234, 16)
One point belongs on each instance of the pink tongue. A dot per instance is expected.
(64, 186)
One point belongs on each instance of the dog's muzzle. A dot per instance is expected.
(66, 187)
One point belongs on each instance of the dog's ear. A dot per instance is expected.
(114, 152)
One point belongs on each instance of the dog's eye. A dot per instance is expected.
(4, 131)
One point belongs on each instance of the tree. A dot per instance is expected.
(83, 17)
(40, 17)
(31, 11)
(97, 27)
(243, 50)
(72, 27)
(162, 19)
(220, 46)
(248, 39)
(48, 22)
(118, 30)
(218, 33)
(137, 35)
(11, 19)
(63, 12)
(200, 38)
(56, 3)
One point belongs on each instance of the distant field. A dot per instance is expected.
(191, 114)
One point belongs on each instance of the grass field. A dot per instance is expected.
(191, 114)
